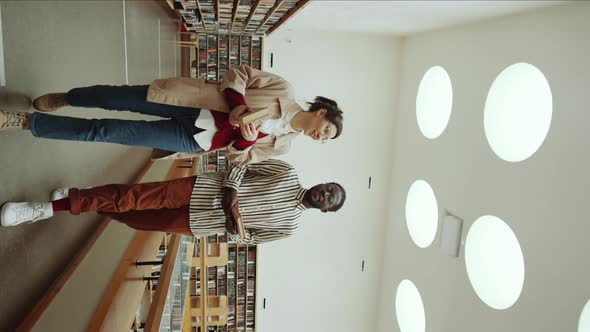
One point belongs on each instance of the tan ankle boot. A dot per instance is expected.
(14, 120)
(50, 102)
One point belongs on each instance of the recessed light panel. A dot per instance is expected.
(434, 102)
(518, 112)
(409, 308)
(584, 324)
(494, 262)
(421, 213)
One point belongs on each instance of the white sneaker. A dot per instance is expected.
(13, 214)
(59, 193)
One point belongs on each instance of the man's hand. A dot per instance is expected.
(231, 226)
(234, 115)
(234, 224)
(250, 131)
(228, 201)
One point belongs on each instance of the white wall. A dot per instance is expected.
(544, 199)
(313, 281)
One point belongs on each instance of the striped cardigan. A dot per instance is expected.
(269, 195)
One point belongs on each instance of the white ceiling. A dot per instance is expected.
(401, 17)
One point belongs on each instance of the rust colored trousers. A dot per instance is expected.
(153, 206)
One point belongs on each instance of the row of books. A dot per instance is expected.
(242, 13)
(217, 280)
(211, 162)
(229, 280)
(241, 293)
(209, 17)
(281, 11)
(215, 16)
(191, 17)
(259, 14)
(224, 14)
(215, 54)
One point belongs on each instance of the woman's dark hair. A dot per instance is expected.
(333, 112)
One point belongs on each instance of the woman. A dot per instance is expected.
(201, 116)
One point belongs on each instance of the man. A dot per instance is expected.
(267, 195)
(200, 116)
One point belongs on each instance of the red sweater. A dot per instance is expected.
(226, 133)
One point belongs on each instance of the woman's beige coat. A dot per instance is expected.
(261, 90)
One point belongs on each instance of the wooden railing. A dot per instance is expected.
(31, 319)
(118, 305)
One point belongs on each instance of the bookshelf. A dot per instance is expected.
(211, 162)
(236, 281)
(223, 275)
(235, 17)
(222, 288)
(207, 310)
(226, 33)
(221, 279)
(211, 55)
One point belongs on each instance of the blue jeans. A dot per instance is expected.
(174, 134)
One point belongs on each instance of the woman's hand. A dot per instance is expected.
(250, 131)
(234, 115)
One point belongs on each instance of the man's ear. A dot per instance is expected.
(322, 112)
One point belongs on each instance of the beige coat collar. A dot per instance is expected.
(288, 105)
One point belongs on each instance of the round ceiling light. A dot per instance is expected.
(518, 112)
(409, 308)
(421, 213)
(434, 102)
(584, 324)
(494, 262)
